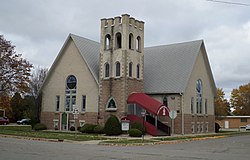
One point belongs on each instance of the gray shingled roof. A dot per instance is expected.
(90, 52)
(167, 68)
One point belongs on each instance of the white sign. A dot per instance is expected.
(75, 116)
(125, 125)
(75, 110)
(173, 114)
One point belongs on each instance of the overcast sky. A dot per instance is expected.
(39, 28)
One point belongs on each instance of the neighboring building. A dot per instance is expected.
(98, 78)
(233, 122)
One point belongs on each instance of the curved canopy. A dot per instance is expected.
(148, 103)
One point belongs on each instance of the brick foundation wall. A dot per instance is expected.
(48, 117)
(190, 120)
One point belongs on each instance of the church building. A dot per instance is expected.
(169, 87)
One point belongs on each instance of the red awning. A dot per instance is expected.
(148, 103)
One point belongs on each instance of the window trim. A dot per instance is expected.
(57, 103)
(107, 45)
(84, 97)
(107, 105)
(138, 44)
(106, 71)
(118, 40)
(130, 70)
(131, 41)
(117, 69)
(138, 71)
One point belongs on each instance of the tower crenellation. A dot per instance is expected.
(121, 64)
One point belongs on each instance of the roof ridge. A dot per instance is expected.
(74, 35)
(172, 44)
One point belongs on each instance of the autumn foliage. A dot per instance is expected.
(222, 106)
(240, 100)
(15, 71)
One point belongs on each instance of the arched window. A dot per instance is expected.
(130, 67)
(106, 70)
(131, 41)
(111, 105)
(165, 101)
(117, 69)
(138, 44)
(118, 38)
(138, 71)
(107, 42)
(70, 93)
(199, 96)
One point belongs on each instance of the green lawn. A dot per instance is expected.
(26, 131)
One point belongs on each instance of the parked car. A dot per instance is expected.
(23, 121)
(248, 127)
(4, 121)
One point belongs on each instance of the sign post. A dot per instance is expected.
(75, 113)
(143, 114)
(172, 115)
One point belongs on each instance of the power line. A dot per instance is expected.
(229, 2)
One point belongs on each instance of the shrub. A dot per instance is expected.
(88, 128)
(99, 129)
(112, 126)
(217, 127)
(135, 133)
(40, 126)
(78, 128)
(72, 128)
(137, 125)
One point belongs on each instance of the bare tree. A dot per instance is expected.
(37, 78)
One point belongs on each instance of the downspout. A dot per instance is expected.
(182, 115)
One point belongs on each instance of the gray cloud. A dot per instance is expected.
(39, 28)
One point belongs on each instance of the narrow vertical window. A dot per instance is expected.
(131, 41)
(107, 42)
(199, 96)
(192, 105)
(106, 70)
(83, 103)
(130, 69)
(70, 93)
(57, 103)
(118, 40)
(165, 101)
(138, 44)
(118, 69)
(205, 106)
(138, 71)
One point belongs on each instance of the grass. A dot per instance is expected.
(26, 131)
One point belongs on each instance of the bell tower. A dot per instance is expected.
(121, 66)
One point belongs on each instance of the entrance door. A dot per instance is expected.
(226, 124)
(64, 121)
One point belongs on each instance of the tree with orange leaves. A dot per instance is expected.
(240, 99)
(222, 106)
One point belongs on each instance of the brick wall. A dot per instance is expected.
(119, 89)
(195, 120)
(48, 117)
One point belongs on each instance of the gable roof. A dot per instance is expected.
(90, 52)
(168, 67)
(88, 49)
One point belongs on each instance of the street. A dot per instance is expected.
(230, 148)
